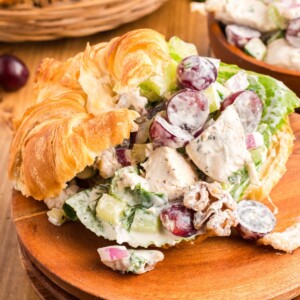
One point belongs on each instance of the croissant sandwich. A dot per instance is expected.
(145, 142)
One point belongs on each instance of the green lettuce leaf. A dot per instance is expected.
(84, 205)
(278, 100)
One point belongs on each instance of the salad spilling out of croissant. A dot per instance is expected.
(146, 143)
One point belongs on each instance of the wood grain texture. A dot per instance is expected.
(174, 18)
(42, 285)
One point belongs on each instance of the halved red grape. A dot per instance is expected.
(188, 109)
(293, 33)
(229, 100)
(123, 156)
(255, 219)
(178, 219)
(163, 133)
(248, 106)
(13, 72)
(196, 72)
(239, 35)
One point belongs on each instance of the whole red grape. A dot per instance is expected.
(13, 73)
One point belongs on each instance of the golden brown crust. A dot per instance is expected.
(74, 117)
(57, 149)
(275, 165)
(136, 56)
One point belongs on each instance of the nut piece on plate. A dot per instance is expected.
(215, 208)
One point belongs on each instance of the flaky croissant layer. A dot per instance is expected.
(74, 117)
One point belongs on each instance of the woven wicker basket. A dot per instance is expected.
(43, 20)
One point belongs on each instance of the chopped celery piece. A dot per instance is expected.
(256, 48)
(179, 49)
(213, 98)
(145, 221)
(157, 86)
(222, 90)
(110, 209)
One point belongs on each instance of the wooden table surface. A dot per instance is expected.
(174, 18)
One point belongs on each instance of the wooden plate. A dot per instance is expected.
(218, 268)
(42, 285)
(233, 55)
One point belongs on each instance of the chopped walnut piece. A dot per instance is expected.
(215, 208)
(288, 240)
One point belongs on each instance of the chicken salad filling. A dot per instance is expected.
(200, 143)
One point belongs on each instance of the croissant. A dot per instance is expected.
(74, 117)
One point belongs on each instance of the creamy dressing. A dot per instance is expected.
(141, 239)
(280, 53)
(131, 180)
(134, 100)
(288, 9)
(125, 260)
(237, 82)
(168, 172)
(251, 13)
(57, 202)
(264, 17)
(107, 163)
(220, 150)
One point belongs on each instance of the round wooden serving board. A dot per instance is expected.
(218, 268)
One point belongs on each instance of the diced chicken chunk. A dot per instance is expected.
(129, 178)
(215, 208)
(237, 82)
(133, 99)
(220, 149)
(107, 163)
(168, 172)
(57, 202)
(282, 54)
(251, 13)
